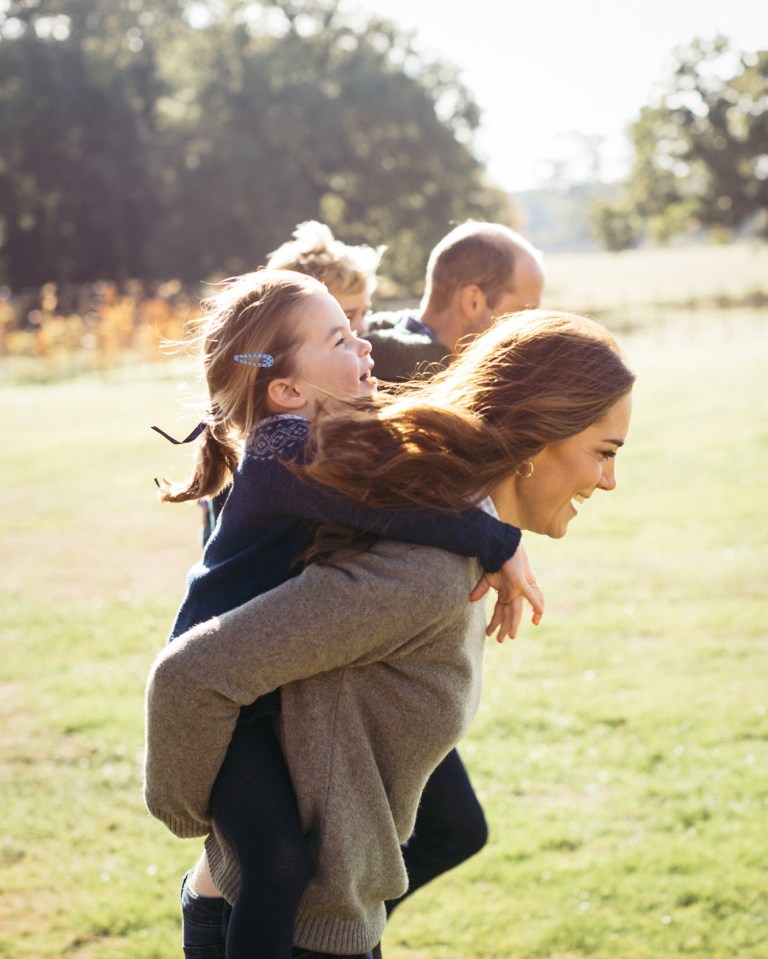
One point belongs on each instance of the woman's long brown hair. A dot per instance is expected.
(534, 378)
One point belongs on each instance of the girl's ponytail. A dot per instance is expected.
(217, 454)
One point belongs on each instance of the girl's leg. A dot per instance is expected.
(254, 806)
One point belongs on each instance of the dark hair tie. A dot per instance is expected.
(200, 428)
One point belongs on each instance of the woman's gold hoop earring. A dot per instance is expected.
(525, 469)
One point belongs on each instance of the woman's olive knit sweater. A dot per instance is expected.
(380, 662)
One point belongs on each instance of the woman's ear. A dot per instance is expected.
(283, 395)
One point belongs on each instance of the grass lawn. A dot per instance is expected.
(620, 751)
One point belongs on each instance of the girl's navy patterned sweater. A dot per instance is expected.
(270, 516)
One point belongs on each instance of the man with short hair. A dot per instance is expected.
(477, 272)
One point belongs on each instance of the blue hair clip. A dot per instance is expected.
(255, 359)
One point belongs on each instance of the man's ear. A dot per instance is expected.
(472, 300)
(283, 395)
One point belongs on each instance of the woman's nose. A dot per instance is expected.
(608, 481)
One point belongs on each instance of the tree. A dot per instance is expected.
(174, 138)
(615, 224)
(301, 113)
(701, 148)
(78, 89)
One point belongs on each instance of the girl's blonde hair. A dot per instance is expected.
(532, 379)
(255, 313)
(314, 251)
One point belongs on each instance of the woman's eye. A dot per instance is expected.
(608, 454)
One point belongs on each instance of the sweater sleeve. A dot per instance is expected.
(472, 532)
(359, 611)
(272, 488)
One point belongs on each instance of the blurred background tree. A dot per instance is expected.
(178, 139)
(78, 114)
(700, 151)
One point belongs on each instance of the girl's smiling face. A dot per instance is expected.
(564, 475)
(332, 360)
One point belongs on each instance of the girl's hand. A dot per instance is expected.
(514, 582)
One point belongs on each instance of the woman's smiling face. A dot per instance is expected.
(565, 474)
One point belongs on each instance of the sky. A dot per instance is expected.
(548, 73)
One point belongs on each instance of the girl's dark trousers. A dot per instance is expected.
(255, 809)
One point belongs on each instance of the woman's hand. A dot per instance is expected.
(515, 581)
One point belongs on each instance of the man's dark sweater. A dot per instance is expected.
(403, 348)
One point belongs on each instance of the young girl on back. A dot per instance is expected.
(276, 346)
(349, 273)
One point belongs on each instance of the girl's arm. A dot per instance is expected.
(268, 486)
(472, 532)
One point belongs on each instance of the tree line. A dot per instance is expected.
(700, 152)
(177, 139)
(163, 139)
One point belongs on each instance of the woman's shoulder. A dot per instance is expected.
(277, 436)
(424, 577)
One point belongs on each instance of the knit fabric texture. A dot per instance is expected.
(380, 661)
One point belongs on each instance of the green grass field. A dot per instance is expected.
(621, 749)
